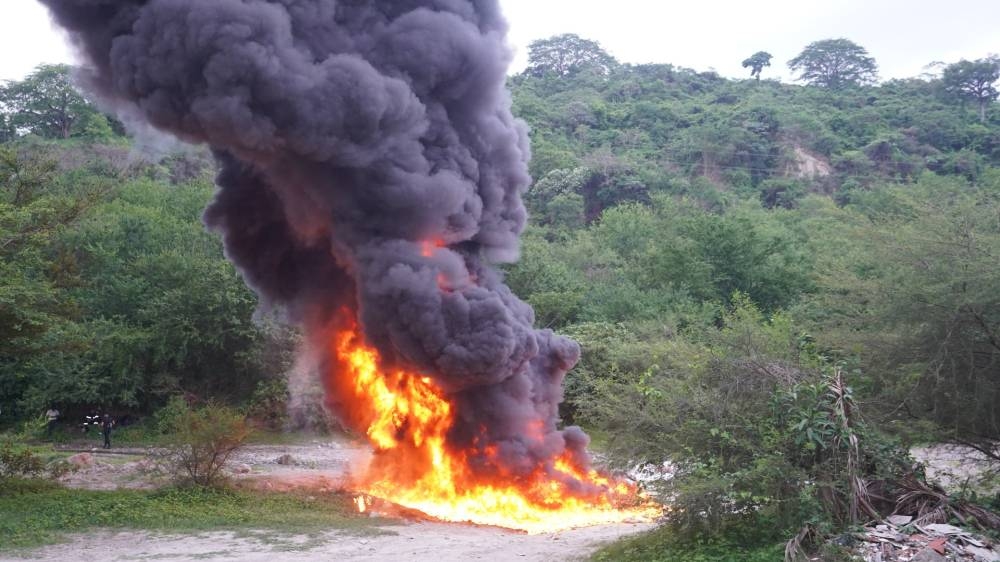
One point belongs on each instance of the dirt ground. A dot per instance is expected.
(417, 542)
(315, 464)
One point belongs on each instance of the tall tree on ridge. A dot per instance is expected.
(975, 80)
(568, 54)
(756, 63)
(835, 63)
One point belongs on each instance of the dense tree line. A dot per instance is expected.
(113, 294)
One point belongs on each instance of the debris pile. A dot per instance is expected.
(900, 539)
(651, 474)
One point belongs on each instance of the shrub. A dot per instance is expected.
(759, 423)
(19, 461)
(201, 441)
(167, 419)
(268, 407)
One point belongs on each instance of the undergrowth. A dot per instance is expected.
(743, 542)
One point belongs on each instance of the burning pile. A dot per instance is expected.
(408, 419)
(371, 174)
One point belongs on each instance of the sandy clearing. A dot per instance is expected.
(418, 542)
(322, 465)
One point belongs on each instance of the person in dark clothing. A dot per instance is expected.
(91, 420)
(106, 424)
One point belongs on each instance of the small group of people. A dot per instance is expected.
(92, 420)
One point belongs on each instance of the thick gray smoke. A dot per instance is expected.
(369, 162)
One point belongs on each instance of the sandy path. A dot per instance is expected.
(418, 542)
(321, 465)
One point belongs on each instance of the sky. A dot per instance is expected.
(903, 35)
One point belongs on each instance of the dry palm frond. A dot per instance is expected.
(928, 503)
(795, 550)
(860, 503)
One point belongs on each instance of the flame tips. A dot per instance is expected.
(362, 503)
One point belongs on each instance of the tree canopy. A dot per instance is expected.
(834, 63)
(46, 103)
(756, 63)
(568, 54)
(974, 80)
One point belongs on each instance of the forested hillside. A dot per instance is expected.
(665, 199)
(758, 272)
(113, 294)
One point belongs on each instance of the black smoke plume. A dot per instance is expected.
(369, 161)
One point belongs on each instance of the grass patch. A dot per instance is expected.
(34, 513)
(744, 543)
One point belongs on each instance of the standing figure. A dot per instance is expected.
(91, 420)
(106, 424)
(52, 415)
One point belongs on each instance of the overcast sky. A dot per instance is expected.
(902, 35)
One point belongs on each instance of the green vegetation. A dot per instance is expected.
(112, 293)
(835, 63)
(36, 513)
(756, 63)
(778, 287)
(733, 544)
(975, 80)
(200, 441)
(47, 105)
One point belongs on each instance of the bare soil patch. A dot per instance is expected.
(322, 465)
(418, 542)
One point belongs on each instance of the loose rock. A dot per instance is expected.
(982, 554)
(82, 460)
(899, 520)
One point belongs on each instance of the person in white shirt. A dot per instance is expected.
(53, 416)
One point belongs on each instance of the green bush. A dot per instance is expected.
(755, 419)
(268, 407)
(748, 541)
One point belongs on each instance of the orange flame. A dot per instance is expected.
(362, 504)
(428, 247)
(406, 419)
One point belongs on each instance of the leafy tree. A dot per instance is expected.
(835, 63)
(973, 80)
(555, 291)
(919, 294)
(117, 298)
(756, 63)
(566, 55)
(34, 209)
(45, 103)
